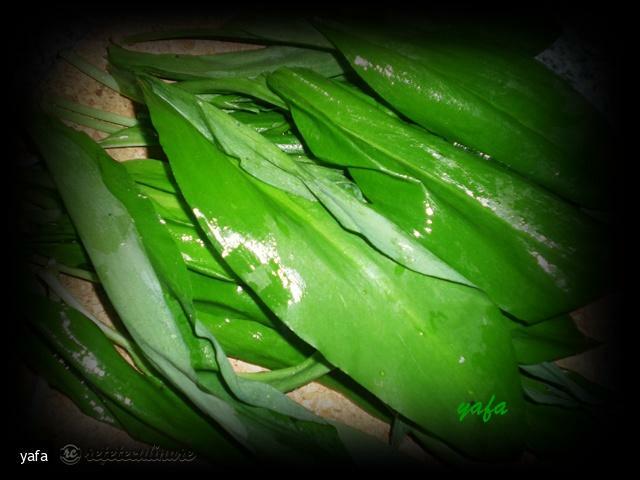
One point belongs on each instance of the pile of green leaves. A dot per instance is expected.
(397, 215)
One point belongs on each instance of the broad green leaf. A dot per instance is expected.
(258, 167)
(170, 206)
(270, 124)
(196, 254)
(535, 255)
(354, 215)
(127, 84)
(502, 103)
(149, 289)
(420, 344)
(242, 324)
(223, 297)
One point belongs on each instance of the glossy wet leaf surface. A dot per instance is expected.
(259, 231)
(495, 228)
(504, 104)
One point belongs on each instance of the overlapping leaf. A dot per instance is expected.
(149, 288)
(535, 255)
(502, 103)
(314, 276)
(224, 65)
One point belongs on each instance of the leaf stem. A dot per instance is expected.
(287, 379)
(91, 70)
(71, 271)
(94, 112)
(83, 120)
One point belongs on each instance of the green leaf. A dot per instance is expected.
(288, 143)
(82, 120)
(149, 289)
(71, 254)
(170, 206)
(244, 326)
(549, 340)
(496, 101)
(198, 255)
(43, 360)
(547, 394)
(253, 149)
(231, 102)
(251, 341)
(137, 136)
(152, 173)
(420, 344)
(287, 379)
(156, 406)
(224, 65)
(570, 382)
(249, 29)
(90, 70)
(93, 112)
(258, 167)
(535, 255)
(266, 122)
(222, 297)
(255, 87)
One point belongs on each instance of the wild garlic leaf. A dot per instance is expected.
(144, 276)
(354, 215)
(294, 255)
